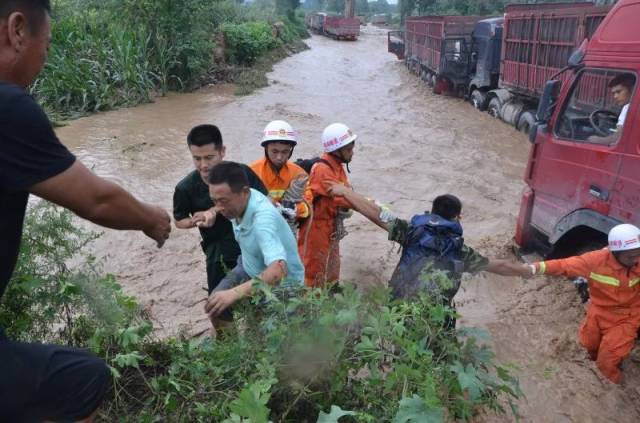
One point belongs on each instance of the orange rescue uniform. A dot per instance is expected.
(278, 182)
(613, 316)
(316, 238)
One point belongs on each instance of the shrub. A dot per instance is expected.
(247, 41)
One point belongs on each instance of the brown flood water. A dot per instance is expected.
(412, 146)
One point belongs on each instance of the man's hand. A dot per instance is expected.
(204, 219)
(336, 189)
(220, 301)
(159, 225)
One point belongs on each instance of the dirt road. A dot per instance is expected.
(412, 146)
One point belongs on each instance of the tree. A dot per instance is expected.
(362, 7)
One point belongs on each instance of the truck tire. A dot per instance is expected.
(494, 108)
(479, 100)
(526, 121)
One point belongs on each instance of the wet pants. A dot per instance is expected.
(609, 334)
(320, 253)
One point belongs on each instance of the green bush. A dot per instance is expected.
(100, 61)
(247, 41)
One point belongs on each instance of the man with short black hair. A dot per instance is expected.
(192, 205)
(269, 249)
(47, 382)
(621, 88)
(430, 241)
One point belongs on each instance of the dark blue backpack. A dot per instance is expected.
(432, 243)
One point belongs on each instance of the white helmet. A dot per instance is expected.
(281, 131)
(624, 237)
(336, 136)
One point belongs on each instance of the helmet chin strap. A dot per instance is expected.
(338, 154)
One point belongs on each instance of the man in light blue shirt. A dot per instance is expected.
(268, 248)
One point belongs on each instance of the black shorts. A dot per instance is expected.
(49, 382)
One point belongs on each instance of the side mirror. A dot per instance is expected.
(548, 100)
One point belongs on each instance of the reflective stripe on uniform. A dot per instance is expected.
(608, 280)
(542, 267)
(633, 282)
(276, 194)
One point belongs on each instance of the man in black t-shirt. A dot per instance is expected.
(47, 382)
(192, 206)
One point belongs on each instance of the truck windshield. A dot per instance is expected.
(597, 107)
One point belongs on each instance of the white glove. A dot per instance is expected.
(386, 215)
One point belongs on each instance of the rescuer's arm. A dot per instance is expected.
(103, 202)
(571, 267)
(362, 205)
(319, 182)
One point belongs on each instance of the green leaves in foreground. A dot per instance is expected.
(294, 355)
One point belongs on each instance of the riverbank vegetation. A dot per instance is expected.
(107, 54)
(309, 357)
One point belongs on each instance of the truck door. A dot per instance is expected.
(625, 201)
(578, 166)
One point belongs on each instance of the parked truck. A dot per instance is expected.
(500, 63)
(583, 172)
(535, 42)
(438, 49)
(341, 28)
(346, 27)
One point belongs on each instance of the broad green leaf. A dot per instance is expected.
(468, 380)
(131, 359)
(416, 410)
(334, 415)
(251, 403)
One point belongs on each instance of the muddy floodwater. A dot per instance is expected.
(412, 146)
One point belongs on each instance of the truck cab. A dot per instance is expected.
(485, 59)
(583, 173)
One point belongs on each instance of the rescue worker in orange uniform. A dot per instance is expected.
(613, 315)
(285, 180)
(319, 236)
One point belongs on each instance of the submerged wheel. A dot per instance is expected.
(494, 108)
(479, 100)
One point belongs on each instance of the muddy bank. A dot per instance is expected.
(412, 146)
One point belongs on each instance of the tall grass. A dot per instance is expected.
(113, 53)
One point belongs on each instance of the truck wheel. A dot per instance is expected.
(494, 107)
(526, 121)
(479, 100)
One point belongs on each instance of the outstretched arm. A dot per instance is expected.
(362, 205)
(103, 202)
(509, 268)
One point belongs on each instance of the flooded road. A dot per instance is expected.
(412, 146)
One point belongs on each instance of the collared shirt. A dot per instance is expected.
(192, 195)
(265, 237)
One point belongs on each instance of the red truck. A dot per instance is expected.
(499, 63)
(342, 28)
(337, 27)
(583, 173)
(537, 40)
